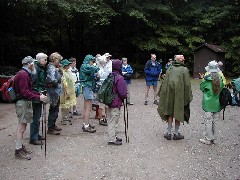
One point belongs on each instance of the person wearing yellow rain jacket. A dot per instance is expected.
(68, 97)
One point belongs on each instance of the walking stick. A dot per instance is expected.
(42, 124)
(45, 128)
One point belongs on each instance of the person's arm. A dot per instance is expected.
(147, 69)
(121, 87)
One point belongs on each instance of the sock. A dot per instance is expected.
(19, 144)
(177, 128)
(169, 128)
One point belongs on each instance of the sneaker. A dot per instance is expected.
(53, 131)
(116, 143)
(205, 141)
(145, 103)
(155, 102)
(88, 129)
(178, 136)
(130, 103)
(102, 122)
(92, 126)
(70, 115)
(167, 136)
(57, 128)
(76, 113)
(26, 150)
(20, 154)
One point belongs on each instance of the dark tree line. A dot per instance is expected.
(130, 28)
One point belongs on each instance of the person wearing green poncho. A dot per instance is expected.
(175, 96)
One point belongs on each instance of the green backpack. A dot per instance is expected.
(105, 93)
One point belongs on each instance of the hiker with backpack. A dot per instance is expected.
(152, 70)
(103, 73)
(120, 91)
(25, 96)
(211, 87)
(38, 86)
(88, 77)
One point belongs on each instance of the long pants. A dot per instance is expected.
(113, 119)
(34, 126)
(211, 125)
(53, 115)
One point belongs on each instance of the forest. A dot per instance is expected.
(124, 28)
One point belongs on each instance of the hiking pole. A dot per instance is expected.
(42, 124)
(127, 121)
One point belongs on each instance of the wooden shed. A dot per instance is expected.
(205, 53)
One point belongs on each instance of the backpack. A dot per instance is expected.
(8, 93)
(105, 93)
(225, 99)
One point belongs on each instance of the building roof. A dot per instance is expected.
(213, 47)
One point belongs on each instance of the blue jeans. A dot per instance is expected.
(53, 115)
(34, 126)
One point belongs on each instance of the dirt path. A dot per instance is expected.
(148, 156)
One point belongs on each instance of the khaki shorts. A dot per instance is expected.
(24, 111)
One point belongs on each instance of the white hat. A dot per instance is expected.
(107, 55)
(212, 67)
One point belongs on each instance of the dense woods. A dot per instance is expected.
(130, 28)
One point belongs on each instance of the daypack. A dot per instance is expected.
(225, 99)
(105, 93)
(8, 93)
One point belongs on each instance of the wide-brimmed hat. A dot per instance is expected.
(107, 55)
(212, 67)
(65, 62)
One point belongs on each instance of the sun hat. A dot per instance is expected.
(65, 62)
(212, 67)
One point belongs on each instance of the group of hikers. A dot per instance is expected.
(59, 83)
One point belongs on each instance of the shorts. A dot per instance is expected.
(151, 83)
(88, 93)
(24, 111)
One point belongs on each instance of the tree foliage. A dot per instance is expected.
(131, 28)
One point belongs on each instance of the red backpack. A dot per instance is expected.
(7, 90)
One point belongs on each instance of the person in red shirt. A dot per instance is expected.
(25, 95)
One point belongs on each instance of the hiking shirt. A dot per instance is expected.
(210, 101)
(175, 93)
(129, 71)
(23, 85)
(88, 73)
(152, 70)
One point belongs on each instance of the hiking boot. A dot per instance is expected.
(205, 141)
(178, 136)
(116, 143)
(88, 129)
(57, 128)
(103, 122)
(53, 131)
(76, 113)
(145, 103)
(41, 137)
(167, 136)
(26, 150)
(20, 154)
(155, 102)
(36, 142)
(118, 139)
